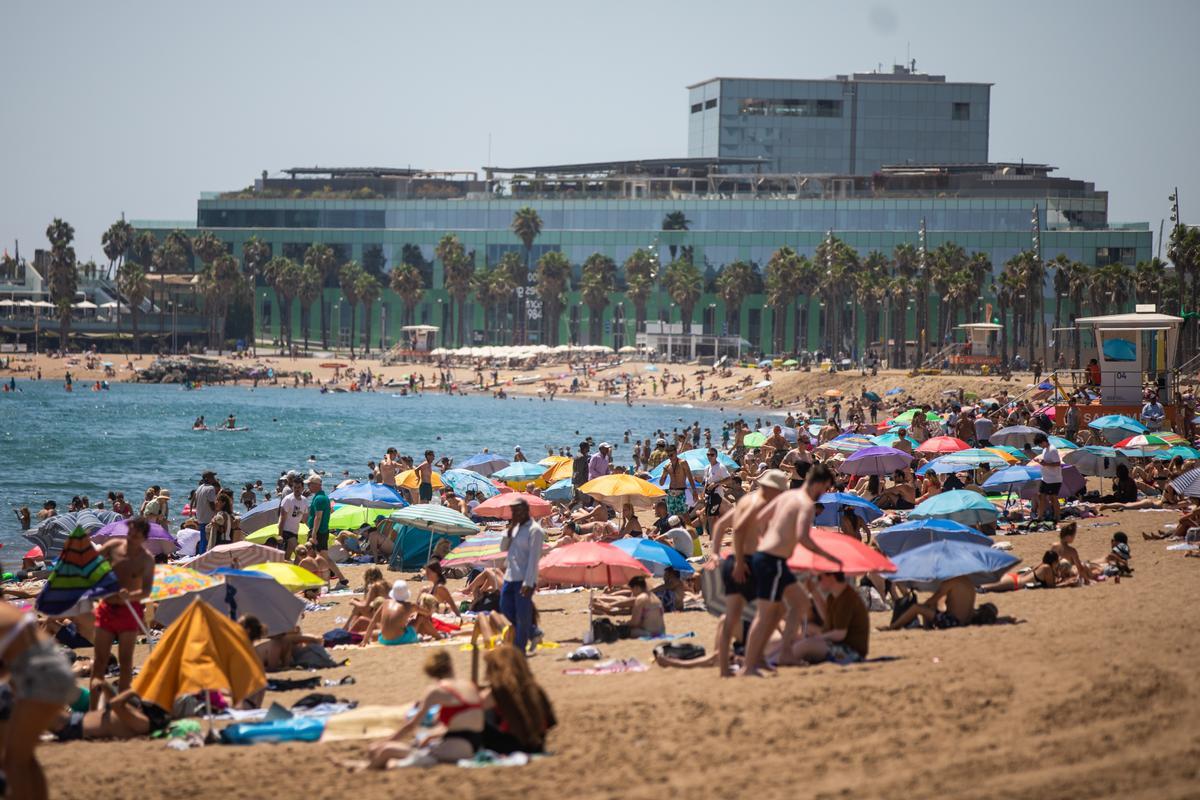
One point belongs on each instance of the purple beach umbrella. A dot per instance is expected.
(159, 542)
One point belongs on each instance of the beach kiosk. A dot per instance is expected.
(981, 348)
(1133, 352)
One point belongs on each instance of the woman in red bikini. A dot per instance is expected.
(459, 730)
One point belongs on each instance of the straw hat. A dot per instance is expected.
(774, 479)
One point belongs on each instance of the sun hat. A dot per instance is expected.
(674, 521)
(774, 479)
(400, 591)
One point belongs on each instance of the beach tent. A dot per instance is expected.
(201, 651)
(242, 592)
(414, 546)
(52, 533)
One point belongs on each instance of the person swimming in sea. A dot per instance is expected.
(199, 424)
(231, 422)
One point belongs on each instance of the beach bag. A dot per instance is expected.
(603, 630)
(314, 657)
(340, 636)
(684, 651)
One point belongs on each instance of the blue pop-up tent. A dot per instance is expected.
(414, 546)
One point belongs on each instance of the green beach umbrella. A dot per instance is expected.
(755, 439)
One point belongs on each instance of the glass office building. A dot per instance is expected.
(846, 125)
(737, 206)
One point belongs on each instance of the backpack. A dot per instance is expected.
(684, 651)
(603, 630)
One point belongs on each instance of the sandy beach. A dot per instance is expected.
(1088, 695)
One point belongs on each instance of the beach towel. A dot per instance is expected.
(668, 637)
(612, 667)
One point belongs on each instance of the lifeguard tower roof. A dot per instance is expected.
(980, 326)
(1135, 320)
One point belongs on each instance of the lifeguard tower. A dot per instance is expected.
(981, 348)
(1133, 352)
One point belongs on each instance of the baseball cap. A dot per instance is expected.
(605, 446)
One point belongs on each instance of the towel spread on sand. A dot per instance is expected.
(611, 667)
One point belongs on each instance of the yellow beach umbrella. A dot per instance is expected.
(620, 489)
(558, 472)
(266, 532)
(554, 461)
(409, 479)
(1009, 458)
(292, 577)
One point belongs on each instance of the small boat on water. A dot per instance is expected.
(231, 430)
(526, 379)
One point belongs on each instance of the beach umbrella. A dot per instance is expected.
(895, 390)
(1182, 451)
(791, 362)
(1071, 484)
(1150, 441)
(479, 549)
(1015, 435)
(1014, 476)
(616, 490)
(560, 491)
(465, 480)
(1062, 443)
(960, 505)
(931, 564)
(942, 444)
(349, 518)
(766, 362)
(554, 461)
(906, 418)
(875, 461)
(885, 439)
(1188, 484)
(269, 532)
(1116, 427)
(79, 577)
(201, 651)
(1136, 452)
(484, 463)
(51, 534)
(755, 439)
(788, 433)
(912, 534)
(260, 516)
(238, 555)
(1096, 460)
(1011, 455)
(561, 470)
(851, 444)
(158, 542)
(833, 502)
(369, 495)
(500, 506)
(436, 519)
(520, 472)
(857, 558)
(241, 593)
(963, 461)
(874, 398)
(696, 459)
(832, 393)
(292, 577)
(172, 580)
(654, 556)
(410, 479)
(590, 564)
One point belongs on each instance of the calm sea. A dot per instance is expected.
(54, 444)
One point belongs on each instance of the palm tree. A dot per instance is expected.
(1062, 289)
(132, 284)
(207, 247)
(348, 276)
(781, 281)
(64, 280)
(223, 285)
(368, 289)
(508, 273)
(1148, 280)
(735, 282)
(116, 241)
(322, 257)
(1183, 250)
(255, 255)
(641, 271)
(835, 262)
(676, 221)
(457, 269)
(869, 293)
(284, 276)
(1077, 281)
(409, 286)
(170, 257)
(552, 277)
(948, 260)
(599, 281)
(905, 265)
(309, 288)
(527, 226)
(684, 284)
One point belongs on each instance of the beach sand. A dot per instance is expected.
(789, 390)
(1088, 696)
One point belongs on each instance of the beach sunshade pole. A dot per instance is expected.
(141, 624)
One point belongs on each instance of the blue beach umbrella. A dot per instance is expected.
(834, 502)
(960, 505)
(894, 391)
(655, 556)
(368, 495)
(931, 564)
(918, 532)
(520, 471)
(962, 461)
(484, 463)
(560, 492)
(1062, 443)
(697, 460)
(1183, 451)
(264, 514)
(1011, 477)
(875, 461)
(465, 480)
(1116, 427)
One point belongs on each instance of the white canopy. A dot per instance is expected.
(85, 304)
(109, 304)
(7, 302)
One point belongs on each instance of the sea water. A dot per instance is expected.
(56, 444)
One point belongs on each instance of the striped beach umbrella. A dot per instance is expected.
(1151, 441)
(436, 519)
(1188, 484)
(172, 580)
(465, 480)
(80, 576)
(1182, 451)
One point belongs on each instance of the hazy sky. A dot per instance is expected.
(140, 106)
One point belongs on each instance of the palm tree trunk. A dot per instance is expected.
(324, 331)
(133, 314)
(366, 328)
(353, 326)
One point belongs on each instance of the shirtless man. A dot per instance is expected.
(681, 477)
(425, 475)
(118, 617)
(735, 569)
(388, 468)
(393, 619)
(776, 443)
(959, 594)
(788, 520)
(1066, 551)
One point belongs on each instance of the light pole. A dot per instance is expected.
(1036, 293)
(922, 302)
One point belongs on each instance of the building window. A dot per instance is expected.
(790, 108)
(697, 108)
(710, 103)
(962, 111)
